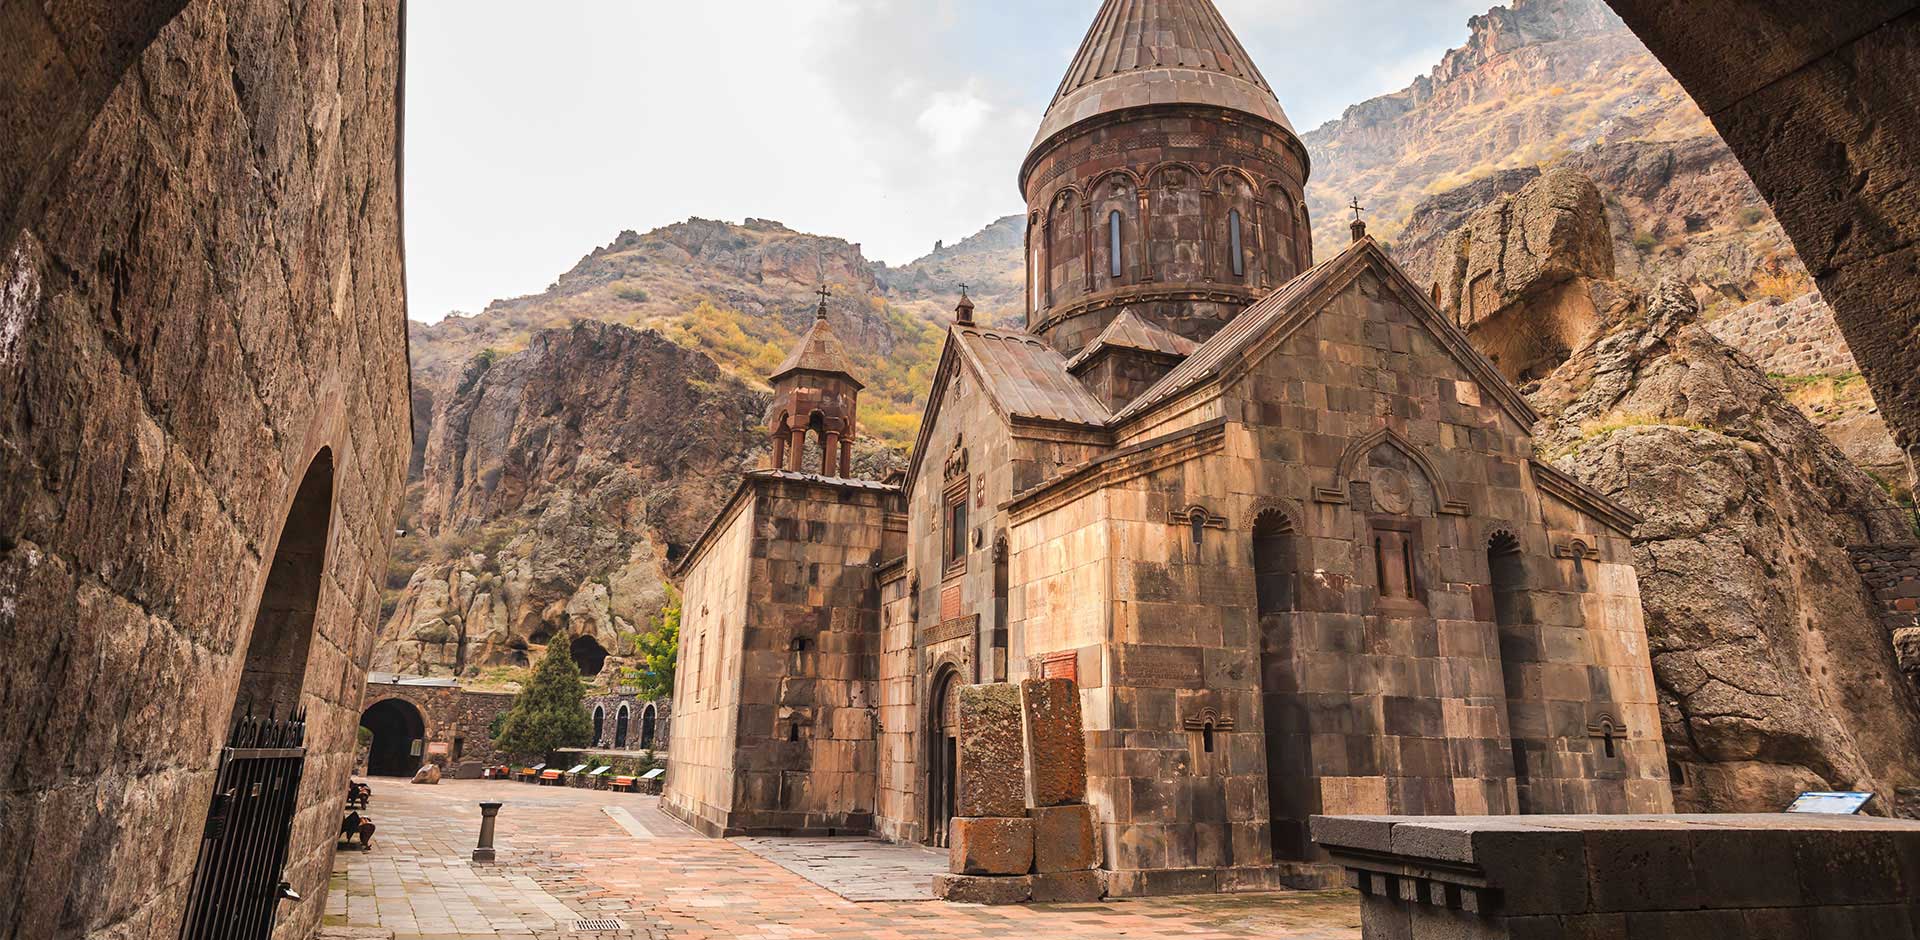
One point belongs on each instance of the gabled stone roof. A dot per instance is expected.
(1301, 299)
(1146, 52)
(819, 351)
(1130, 332)
(1028, 378)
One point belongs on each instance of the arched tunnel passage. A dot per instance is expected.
(399, 734)
(588, 654)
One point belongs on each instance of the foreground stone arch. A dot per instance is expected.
(200, 290)
(1821, 104)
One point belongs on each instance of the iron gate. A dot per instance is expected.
(236, 881)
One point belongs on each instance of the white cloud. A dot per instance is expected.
(537, 132)
(952, 118)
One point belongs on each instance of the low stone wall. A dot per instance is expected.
(1776, 876)
(1797, 337)
(1892, 575)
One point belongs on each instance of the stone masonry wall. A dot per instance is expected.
(1795, 337)
(1892, 575)
(203, 294)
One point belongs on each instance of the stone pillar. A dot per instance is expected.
(999, 852)
(797, 451)
(484, 851)
(829, 449)
(846, 457)
(779, 451)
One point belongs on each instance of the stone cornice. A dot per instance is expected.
(1558, 484)
(1121, 465)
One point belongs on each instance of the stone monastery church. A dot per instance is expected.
(1276, 518)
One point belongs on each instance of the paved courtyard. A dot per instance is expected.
(570, 858)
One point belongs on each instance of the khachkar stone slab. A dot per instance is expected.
(1056, 747)
(1065, 838)
(990, 845)
(991, 779)
(983, 889)
(1776, 876)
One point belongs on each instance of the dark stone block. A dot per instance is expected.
(991, 777)
(983, 889)
(1055, 744)
(1069, 887)
(1065, 838)
(990, 845)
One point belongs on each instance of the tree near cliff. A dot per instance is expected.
(548, 714)
(659, 652)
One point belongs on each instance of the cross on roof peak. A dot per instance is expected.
(1356, 207)
(824, 293)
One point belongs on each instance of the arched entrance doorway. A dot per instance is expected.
(588, 654)
(647, 719)
(399, 737)
(620, 727)
(943, 763)
(599, 724)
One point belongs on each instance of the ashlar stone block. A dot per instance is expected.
(1056, 746)
(1069, 886)
(990, 845)
(991, 779)
(1065, 839)
(983, 889)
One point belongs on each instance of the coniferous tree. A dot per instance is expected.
(549, 713)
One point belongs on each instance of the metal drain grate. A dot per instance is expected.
(600, 923)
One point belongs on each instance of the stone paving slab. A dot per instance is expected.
(857, 869)
(566, 855)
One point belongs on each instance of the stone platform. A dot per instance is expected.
(1773, 876)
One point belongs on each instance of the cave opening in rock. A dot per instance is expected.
(588, 654)
(399, 737)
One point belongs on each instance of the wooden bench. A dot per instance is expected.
(621, 783)
(551, 778)
(529, 773)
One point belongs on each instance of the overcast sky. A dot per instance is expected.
(536, 132)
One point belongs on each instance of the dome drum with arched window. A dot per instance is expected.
(1165, 178)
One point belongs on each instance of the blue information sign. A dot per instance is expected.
(1838, 804)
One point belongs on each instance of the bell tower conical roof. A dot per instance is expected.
(1148, 52)
(819, 350)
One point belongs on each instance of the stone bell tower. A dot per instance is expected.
(815, 393)
(1165, 179)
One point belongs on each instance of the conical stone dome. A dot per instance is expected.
(1149, 52)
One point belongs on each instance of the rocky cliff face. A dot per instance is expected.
(1543, 84)
(1768, 647)
(1777, 672)
(1521, 273)
(991, 262)
(556, 484)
